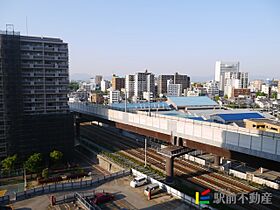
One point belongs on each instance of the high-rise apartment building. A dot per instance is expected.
(221, 68)
(129, 85)
(182, 79)
(34, 81)
(98, 79)
(118, 83)
(143, 82)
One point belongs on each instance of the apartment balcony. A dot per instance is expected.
(63, 49)
(48, 57)
(38, 48)
(26, 65)
(62, 66)
(38, 65)
(49, 49)
(23, 47)
(49, 65)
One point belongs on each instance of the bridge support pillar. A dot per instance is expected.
(77, 125)
(217, 160)
(169, 168)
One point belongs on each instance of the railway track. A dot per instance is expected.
(201, 176)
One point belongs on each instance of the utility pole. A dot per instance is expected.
(145, 151)
(24, 176)
(125, 102)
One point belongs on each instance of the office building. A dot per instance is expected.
(184, 80)
(143, 82)
(118, 83)
(34, 81)
(221, 68)
(129, 86)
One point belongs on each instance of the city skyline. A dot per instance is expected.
(163, 37)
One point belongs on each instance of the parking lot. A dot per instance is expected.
(125, 197)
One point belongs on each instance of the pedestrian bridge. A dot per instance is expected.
(247, 141)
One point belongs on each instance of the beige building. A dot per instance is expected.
(96, 98)
(118, 83)
(263, 125)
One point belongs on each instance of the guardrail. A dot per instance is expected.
(57, 187)
(188, 199)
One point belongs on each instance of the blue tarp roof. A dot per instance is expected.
(192, 101)
(239, 116)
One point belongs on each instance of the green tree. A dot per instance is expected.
(274, 95)
(226, 97)
(8, 163)
(45, 173)
(56, 155)
(73, 85)
(34, 163)
(217, 98)
(259, 93)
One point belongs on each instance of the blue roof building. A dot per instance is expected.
(235, 117)
(192, 102)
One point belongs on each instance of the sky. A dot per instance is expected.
(164, 36)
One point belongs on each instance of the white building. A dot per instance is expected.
(221, 68)
(234, 80)
(115, 96)
(212, 88)
(173, 89)
(147, 97)
(105, 84)
(265, 88)
(129, 85)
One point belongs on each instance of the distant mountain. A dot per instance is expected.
(80, 76)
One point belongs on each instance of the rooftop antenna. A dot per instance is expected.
(26, 25)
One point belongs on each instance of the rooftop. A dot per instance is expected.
(192, 101)
(239, 116)
(268, 121)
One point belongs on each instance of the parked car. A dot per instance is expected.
(138, 181)
(153, 188)
(100, 198)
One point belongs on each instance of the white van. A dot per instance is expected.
(138, 181)
(153, 188)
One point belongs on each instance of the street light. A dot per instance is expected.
(145, 151)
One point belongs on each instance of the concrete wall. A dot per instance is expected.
(108, 165)
(248, 141)
(251, 177)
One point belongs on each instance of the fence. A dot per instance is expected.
(85, 203)
(52, 188)
(5, 199)
(189, 200)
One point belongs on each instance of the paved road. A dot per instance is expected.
(126, 198)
